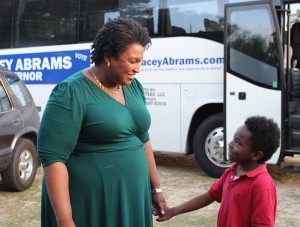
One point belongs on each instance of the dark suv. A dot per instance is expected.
(19, 123)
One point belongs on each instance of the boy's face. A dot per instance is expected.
(240, 149)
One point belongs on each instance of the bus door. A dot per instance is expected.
(253, 72)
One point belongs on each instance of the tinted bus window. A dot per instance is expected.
(93, 16)
(53, 22)
(253, 55)
(194, 18)
(94, 13)
(143, 11)
(162, 18)
(5, 23)
(45, 22)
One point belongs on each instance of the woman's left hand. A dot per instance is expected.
(159, 201)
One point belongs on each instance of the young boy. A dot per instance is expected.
(246, 191)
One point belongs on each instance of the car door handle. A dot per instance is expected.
(16, 120)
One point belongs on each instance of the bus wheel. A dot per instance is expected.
(208, 145)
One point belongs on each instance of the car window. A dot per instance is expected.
(4, 101)
(19, 90)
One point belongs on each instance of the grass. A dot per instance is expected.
(21, 209)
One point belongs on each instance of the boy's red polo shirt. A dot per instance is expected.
(250, 200)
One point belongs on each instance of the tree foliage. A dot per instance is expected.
(295, 17)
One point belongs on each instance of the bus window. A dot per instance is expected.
(5, 23)
(253, 55)
(162, 18)
(140, 11)
(92, 17)
(95, 13)
(45, 22)
(196, 18)
(193, 16)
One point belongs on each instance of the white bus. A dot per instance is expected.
(192, 88)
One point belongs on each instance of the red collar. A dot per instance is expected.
(253, 173)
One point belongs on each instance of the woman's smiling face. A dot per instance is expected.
(127, 64)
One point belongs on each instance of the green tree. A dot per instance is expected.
(295, 17)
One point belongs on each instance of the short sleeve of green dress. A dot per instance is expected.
(101, 142)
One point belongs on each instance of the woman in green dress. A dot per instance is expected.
(93, 142)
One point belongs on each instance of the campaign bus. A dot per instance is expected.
(212, 63)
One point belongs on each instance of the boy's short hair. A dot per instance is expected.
(265, 135)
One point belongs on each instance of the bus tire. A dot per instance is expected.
(208, 146)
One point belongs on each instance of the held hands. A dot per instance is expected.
(158, 201)
(168, 213)
(160, 208)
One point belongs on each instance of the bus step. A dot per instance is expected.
(296, 138)
(291, 164)
(295, 121)
(293, 150)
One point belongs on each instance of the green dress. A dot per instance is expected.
(101, 142)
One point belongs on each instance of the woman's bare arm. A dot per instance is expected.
(157, 198)
(57, 182)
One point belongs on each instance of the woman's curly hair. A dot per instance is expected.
(115, 36)
(265, 135)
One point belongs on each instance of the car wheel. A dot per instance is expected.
(208, 145)
(20, 173)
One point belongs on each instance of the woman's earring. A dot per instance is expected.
(108, 64)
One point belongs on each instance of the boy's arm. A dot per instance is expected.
(191, 205)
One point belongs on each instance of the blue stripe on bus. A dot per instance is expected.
(47, 67)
